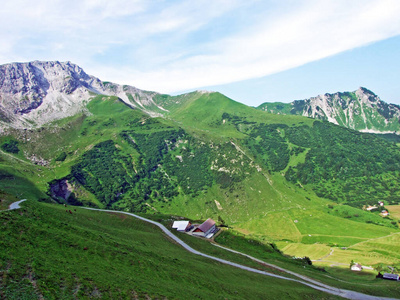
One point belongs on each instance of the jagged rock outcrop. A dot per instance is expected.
(36, 93)
(361, 110)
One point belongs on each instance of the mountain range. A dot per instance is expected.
(35, 93)
(282, 173)
(360, 110)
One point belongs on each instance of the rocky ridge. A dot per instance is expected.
(35, 93)
(38, 92)
(360, 110)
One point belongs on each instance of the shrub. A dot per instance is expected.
(10, 147)
(61, 157)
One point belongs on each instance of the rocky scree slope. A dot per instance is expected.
(360, 110)
(38, 92)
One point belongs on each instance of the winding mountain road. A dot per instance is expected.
(305, 280)
(15, 205)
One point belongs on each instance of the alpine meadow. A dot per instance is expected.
(289, 184)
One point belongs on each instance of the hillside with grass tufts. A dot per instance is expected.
(284, 179)
(48, 253)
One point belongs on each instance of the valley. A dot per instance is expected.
(109, 254)
(298, 183)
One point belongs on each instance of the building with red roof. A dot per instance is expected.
(207, 229)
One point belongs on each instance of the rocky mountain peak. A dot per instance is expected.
(361, 110)
(38, 92)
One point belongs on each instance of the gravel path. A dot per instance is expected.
(15, 205)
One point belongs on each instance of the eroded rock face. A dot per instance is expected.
(361, 110)
(23, 87)
(64, 191)
(61, 189)
(35, 93)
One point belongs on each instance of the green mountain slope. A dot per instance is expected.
(48, 253)
(275, 177)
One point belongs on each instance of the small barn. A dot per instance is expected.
(369, 208)
(181, 225)
(391, 276)
(356, 267)
(206, 229)
(384, 213)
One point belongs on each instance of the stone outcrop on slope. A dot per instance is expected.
(35, 93)
(360, 110)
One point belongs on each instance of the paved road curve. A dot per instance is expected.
(311, 283)
(15, 205)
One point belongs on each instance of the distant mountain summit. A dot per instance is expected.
(38, 92)
(35, 93)
(360, 110)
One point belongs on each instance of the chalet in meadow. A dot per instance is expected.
(356, 267)
(181, 225)
(207, 229)
(391, 276)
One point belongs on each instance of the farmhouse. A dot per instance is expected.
(207, 229)
(391, 276)
(356, 267)
(181, 225)
(384, 213)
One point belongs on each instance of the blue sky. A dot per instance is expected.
(253, 51)
(375, 66)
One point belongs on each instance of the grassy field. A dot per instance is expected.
(310, 222)
(309, 226)
(394, 211)
(275, 225)
(314, 251)
(315, 233)
(50, 253)
(365, 281)
(6, 200)
(258, 202)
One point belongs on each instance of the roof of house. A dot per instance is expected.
(180, 225)
(358, 266)
(391, 276)
(206, 225)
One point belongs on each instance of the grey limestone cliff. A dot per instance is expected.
(38, 92)
(361, 110)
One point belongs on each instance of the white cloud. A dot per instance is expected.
(308, 33)
(176, 45)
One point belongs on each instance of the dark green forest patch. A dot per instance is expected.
(345, 165)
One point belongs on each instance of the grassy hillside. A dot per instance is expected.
(6, 200)
(275, 178)
(50, 253)
(365, 281)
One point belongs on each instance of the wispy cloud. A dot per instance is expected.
(177, 45)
